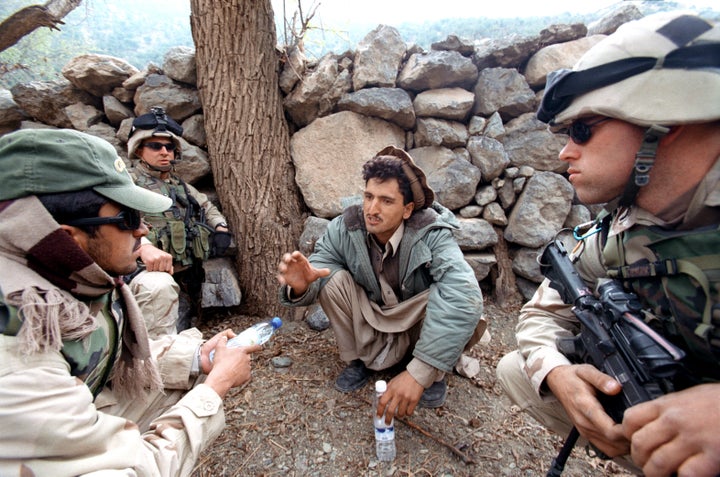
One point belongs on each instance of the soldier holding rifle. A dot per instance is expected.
(642, 112)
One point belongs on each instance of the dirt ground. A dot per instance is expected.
(292, 422)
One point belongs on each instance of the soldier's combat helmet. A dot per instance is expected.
(660, 71)
(154, 123)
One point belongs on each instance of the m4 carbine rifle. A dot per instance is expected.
(613, 338)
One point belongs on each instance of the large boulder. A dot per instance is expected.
(329, 155)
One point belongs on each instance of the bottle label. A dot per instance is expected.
(258, 333)
(248, 337)
(385, 435)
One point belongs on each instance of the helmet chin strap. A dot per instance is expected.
(159, 169)
(644, 160)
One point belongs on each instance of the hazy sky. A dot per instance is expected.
(394, 12)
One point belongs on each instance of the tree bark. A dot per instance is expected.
(248, 140)
(28, 19)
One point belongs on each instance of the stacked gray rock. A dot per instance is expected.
(464, 111)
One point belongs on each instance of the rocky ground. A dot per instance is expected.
(292, 422)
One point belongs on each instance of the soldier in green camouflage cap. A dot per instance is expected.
(642, 112)
(83, 389)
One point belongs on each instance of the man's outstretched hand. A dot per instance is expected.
(401, 398)
(295, 271)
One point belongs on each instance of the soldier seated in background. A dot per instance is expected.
(180, 238)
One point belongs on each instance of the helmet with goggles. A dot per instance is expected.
(660, 71)
(663, 69)
(156, 123)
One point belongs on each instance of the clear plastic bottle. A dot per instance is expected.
(384, 433)
(258, 333)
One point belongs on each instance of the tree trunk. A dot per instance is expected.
(28, 19)
(248, 139)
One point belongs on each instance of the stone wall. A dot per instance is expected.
(464, 111)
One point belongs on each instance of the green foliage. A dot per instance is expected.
(38, 55)
(138, 31)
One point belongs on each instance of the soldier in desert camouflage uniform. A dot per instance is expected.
(83, 389)
(182, 237)
(642, 109)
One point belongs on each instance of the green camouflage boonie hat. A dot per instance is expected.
(50, 161)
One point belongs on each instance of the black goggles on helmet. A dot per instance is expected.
(157, 120)
(564, 85)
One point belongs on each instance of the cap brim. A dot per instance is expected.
(136, 197)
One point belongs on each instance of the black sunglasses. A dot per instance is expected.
(127, 219)
(580, 132)
(156, 146)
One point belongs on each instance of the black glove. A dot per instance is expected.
(219, 243)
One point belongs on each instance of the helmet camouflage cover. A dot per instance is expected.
(663, 69)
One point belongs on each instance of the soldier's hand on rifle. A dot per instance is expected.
(156, 260)
(677, 433)
(576, 387)
(296, 271)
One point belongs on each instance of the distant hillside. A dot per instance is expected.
(138, 31)
(141, 31)
(319, 42)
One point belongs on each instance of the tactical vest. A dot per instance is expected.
(681, 288)
(90, 359)
(181, 230)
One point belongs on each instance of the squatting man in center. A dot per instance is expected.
(395, 285)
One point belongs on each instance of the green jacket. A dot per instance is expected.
(430, 258)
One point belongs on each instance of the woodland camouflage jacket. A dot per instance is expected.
(545, 317)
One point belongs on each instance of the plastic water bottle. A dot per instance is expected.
(384, 433)
(258, 333)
